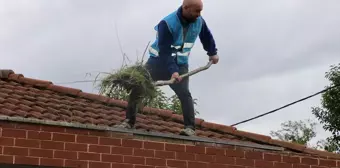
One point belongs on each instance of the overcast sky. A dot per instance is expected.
(271, 52)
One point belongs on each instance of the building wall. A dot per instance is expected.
(69, 147)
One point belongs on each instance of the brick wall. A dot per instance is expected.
(70, 147)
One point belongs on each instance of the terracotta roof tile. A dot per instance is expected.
(39, 99)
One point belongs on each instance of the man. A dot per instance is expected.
(176, 35)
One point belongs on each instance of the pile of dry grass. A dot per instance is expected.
(128, 78)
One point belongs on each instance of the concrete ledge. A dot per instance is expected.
(143, 134)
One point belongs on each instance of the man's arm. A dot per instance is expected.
(207, 40)
(164, 43)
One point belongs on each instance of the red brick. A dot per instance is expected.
(121, 165)
(176, 163)
(272, 157)
(121, 150)
(52, 145)
(254, 155)
(99, 149)
(197, 165)
(48, 128)
(215, 165)
(185, 156)
(100, 133)
(226, 147)
(39, 135)
(110, 141)
(63, 137)
(291, 159)
(282, 165)
(154, 145)
(24, 126)
(263, 164)
(89, 156)
(112, 158)
(26, 160)
(235, 153)
(329, 163)
(215, 151)
(225, 160)
(175, 147)
(15, 151)
(121, 135)
(27, 143)
(75, 147)
(76, 164)
(165, 154)
(232, 166)
(14, 133)
(7, 124)
(309, 161)
(52, 162)
(245, 162)
(301, 166)
(195, 149)
(6, 141)
(134, 159)
(99, 164)
(41, 153)
(7, 159)
(144, 152)
(77, 131)
(87, 139)
(205, 158)
(141, 166)
(132, 143)
(65, 155)
(155, 162)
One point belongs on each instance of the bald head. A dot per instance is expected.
(191, 3)
(192, 9)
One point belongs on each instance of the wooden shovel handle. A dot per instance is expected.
(171, 81)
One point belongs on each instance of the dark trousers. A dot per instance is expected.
(181, 89)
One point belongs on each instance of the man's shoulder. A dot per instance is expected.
(170, 16)
(202, 19)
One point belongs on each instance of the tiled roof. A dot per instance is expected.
(31, 98)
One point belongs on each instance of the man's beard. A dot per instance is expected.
(191, 20)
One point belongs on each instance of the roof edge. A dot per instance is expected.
(138, 132)
(168, 114)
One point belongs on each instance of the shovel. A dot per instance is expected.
(171, 81)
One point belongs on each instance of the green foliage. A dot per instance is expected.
(329, 145)
(302, 132)
(175, 105)
(329, 112)
(328, 115)
(296, 132)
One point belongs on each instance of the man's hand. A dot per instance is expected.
(176, 76)
(214, 59)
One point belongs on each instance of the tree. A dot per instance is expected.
(296, 132)
(328, 144)
(302, 132)
(329, 112)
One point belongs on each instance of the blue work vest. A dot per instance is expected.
(181, 46)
